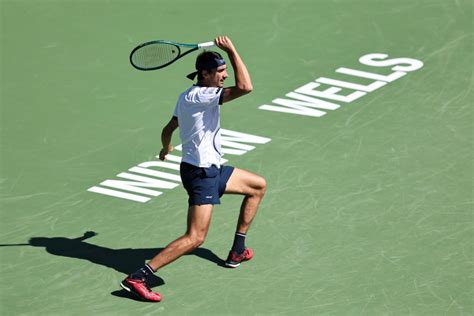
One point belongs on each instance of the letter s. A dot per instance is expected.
(371, 60)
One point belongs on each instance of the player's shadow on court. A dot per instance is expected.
(126, 260)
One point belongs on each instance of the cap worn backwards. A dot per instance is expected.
(207, 64)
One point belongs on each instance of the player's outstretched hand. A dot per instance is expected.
(224, 43)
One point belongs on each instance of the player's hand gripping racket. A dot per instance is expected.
(158, 54)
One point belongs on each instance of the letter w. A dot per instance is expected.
(302, 107)
(234, 139)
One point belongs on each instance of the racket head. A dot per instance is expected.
(155, 55)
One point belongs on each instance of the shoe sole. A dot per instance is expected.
(126, 288)
(232, 265)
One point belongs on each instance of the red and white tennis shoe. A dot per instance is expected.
(140, 289)
(234, 259)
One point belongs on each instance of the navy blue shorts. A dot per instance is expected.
(204, 185)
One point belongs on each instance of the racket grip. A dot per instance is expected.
(206, 44)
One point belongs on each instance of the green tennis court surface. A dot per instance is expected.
(369, 208)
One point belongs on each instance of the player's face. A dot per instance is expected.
(217, 77)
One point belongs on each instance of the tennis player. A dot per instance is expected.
(205, 179)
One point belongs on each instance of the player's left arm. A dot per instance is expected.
(166, 135)
(243, 83)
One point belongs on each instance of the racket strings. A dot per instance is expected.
(155, 55)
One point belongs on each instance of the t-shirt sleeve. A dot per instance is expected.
(221, 96)
(211, 95)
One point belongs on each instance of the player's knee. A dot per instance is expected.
(197, 240)
(261, 187)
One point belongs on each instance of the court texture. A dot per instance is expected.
(369, 207)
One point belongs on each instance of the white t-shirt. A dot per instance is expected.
(198, 113)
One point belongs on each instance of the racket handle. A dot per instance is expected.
(207, 44)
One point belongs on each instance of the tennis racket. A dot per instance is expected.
(158, 54)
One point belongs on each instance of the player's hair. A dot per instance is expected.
(205, 58)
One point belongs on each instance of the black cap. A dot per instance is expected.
(206, 64)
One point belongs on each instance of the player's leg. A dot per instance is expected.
(199, 218)
(253, 188)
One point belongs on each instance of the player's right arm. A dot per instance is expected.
(243, 83)
(166, 135)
